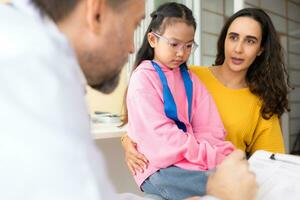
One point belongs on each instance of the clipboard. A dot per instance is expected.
(277, 175)
(286, 158)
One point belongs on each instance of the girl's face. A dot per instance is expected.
(242, 44)
(174, 46)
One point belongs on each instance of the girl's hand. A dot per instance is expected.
(134, 159)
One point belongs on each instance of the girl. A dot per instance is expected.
(171, 115)
(249, 83)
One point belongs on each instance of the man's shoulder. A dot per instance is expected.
(21, 33)
(36, 46)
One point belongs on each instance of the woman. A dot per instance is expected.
(249, 83)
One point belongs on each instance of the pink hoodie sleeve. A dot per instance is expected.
(159, 138)
(207, 125)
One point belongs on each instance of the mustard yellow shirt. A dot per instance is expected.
(240, 112)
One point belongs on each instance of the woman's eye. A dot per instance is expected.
(250, 41)
(233, 37)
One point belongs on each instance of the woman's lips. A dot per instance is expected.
(237, 61)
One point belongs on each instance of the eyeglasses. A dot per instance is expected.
(176, 45)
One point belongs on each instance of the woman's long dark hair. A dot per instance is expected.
(165, 15)
(267, 77)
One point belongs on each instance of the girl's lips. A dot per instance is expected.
(178, 61)
(237, 61)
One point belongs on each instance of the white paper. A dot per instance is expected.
(277, 179)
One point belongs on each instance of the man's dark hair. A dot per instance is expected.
(59, 9)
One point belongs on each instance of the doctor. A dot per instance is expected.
(49, 51)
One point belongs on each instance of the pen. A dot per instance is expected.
(286, 158)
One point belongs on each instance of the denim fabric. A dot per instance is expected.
(174, 183)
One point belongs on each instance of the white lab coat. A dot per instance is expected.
(46, 149)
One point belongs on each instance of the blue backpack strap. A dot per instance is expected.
(188, 84)
(170, 107)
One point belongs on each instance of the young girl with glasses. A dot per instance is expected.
(171, 116)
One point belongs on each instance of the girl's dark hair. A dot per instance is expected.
(267, 76)
(165, 15)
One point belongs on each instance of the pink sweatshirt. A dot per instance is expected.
(202, 147)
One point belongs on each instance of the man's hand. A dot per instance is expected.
(232, 179)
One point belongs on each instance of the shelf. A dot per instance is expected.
(105, 131)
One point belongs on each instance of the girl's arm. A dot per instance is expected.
(206, 121)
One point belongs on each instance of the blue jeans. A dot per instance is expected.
(174, 183)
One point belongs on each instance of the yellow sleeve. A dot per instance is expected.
(267, 136)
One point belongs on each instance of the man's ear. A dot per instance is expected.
(94, 12)
(152, 39)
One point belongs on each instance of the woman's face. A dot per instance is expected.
(242, 44)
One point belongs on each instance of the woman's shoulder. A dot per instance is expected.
(198, 69)
(201, 72)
